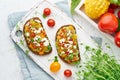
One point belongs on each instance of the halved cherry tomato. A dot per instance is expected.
(108, 23)
(117, 39)
(47, 11)
(32, 34)
(50, 22)
(68, 73)
(55, 66)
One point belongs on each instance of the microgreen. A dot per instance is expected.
(27, 51)
(101, 66)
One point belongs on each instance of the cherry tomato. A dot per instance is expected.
(55, 66)
(117, 39)
(68, 73)
(108, 23)
(50, 22)
(47, 11)
(32, 34)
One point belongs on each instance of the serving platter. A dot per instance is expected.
(60, 19)
(80, 11)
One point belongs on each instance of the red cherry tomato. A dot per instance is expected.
(50, 22)
(47, 11)
(68, 73)
(117, 39)
(108, 23)
(32, 34)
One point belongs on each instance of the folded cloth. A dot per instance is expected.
(30, 70)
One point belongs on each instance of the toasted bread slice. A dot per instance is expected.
(67, 44)
(36, 37)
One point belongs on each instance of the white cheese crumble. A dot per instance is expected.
(68, 33)
(71, 42)
(62, 52)
(38, 31)
(32, 28)
(62, 40)
(36, 38)
(66, 45)
(46, 42)
(74, 47)
(36, 43)
(68, 38)
(37, 21)
(71, 51)
(27, 34)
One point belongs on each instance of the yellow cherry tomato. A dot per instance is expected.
(55, 66)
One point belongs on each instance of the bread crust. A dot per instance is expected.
(28, 43)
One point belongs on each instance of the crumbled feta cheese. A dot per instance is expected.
(71, 51)
(38, 31)
(46, 42)
(62, 40)
(36, 43)
(27, 34)
(43, 39)
(36, 38)
(74, 47)
(68, 38)
(62, 52)
(68, 33)
(62, 48)
(68, 50)
(37, 21)
(71, 42)
(32, 28)
(66, 45)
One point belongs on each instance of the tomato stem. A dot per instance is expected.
(55, 59)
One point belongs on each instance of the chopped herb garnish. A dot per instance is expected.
(21, 42)
(32, 40)
(27, 51)
(39, 39)
(71, 56)
(49, 47)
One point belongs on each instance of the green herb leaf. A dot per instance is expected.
(39, 39)
(21, 42)
(27, 51)
(74, 4)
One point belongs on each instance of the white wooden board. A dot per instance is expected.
(61, 19)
